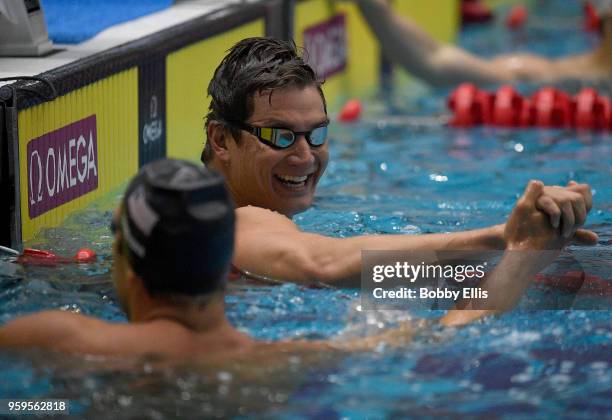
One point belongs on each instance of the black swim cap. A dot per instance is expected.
(177, 220)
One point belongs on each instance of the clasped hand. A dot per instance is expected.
(548, 218)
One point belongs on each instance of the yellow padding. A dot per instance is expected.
(440, 18)
(114, 102)
(188, 72)
(496, 3)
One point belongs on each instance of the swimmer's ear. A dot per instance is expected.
(134, 283)
(217, 137)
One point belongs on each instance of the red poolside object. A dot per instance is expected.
(474, 11)
(38, 253)
(569, 282)
(508, 107)
(574, 281)
(591, 18)
(31, 256)
(517, 17)
(351, 111)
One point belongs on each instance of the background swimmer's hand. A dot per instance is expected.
(567, 207)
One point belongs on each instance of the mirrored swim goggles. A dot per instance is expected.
(282, 138)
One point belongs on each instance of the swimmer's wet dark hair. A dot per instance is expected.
(177, 226)
(252, 66)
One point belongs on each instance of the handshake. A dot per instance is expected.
(544, 220)
(550, 217)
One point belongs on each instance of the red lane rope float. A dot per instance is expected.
(553, 108)
(591, 18)
(351, 111)
(547, 107)
(517, 17)
(592, 110)
(577, 281)
(507, 107)
(471, 106)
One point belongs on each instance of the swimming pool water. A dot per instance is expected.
(382, 178)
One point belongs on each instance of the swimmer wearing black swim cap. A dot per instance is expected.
(177, 225)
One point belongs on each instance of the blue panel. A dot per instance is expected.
(75, 21)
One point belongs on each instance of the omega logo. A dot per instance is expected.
(152, 131)
(62, 165)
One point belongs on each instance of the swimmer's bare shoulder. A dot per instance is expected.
(250, 218)
(270, 244)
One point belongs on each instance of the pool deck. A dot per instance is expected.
(63, 54)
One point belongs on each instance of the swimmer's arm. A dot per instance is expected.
(271, 245)
(532, 245)
(504, 286)
(338, 260)
(403, 41)
(278, 355)
(392, 337)
(49, 329)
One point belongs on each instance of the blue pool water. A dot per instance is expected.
(383, 178)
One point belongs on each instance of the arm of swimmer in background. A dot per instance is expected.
(407, 44)
(589, 66)
(404, 42)
(532, 245)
